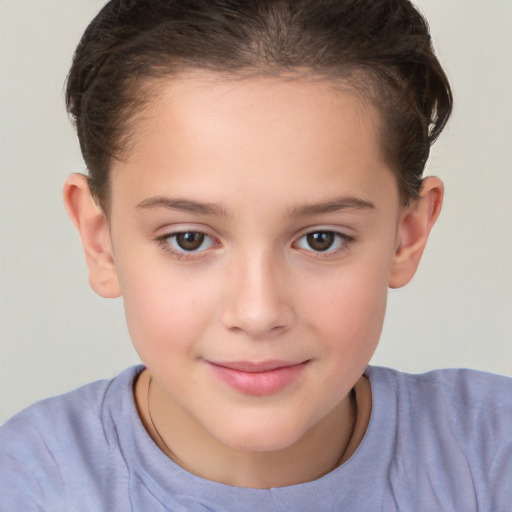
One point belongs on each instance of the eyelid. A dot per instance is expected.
(173, 231)
(346, 240)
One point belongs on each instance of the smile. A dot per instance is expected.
(263, 378)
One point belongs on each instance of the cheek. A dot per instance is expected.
(165, 311)
(349, 309)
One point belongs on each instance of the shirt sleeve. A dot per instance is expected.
(30, 479)
(485, 429)
(500, 459)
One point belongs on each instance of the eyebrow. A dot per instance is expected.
(183, 205)
(190, 206)
(332, 205)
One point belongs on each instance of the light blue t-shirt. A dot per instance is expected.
(440, 441)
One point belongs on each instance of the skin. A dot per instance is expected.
(273, 160)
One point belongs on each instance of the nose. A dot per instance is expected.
(257, 303)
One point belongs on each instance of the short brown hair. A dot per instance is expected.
(380, 47)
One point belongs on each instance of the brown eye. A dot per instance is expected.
(187, 244)
(190, 241)
(321, 241)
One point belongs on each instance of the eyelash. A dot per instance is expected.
(164, 242)
(342, 240)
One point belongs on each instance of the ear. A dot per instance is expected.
(414, 227)
(94, 231)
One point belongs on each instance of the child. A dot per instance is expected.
(255, 186)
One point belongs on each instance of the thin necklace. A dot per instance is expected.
(170, 453)
(354, 414)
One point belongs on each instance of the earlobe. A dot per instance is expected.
(93, 228)
(415, 224)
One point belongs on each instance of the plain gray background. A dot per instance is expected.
(55, 334)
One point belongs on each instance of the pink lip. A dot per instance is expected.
(263, 378)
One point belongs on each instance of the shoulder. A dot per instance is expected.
(456, 392)
(468, 390)
(470, 401)
(471, 387)
(453, 430)
(44, 413)
(58, 416)
(55, 440)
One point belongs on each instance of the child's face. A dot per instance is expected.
(249, 170)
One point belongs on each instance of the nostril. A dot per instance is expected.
(257, 328)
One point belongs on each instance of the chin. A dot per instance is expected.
(265, 438)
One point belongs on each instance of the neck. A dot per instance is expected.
(327, 445)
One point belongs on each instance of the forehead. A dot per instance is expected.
(205, 135)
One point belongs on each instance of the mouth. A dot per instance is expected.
(262, 378)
